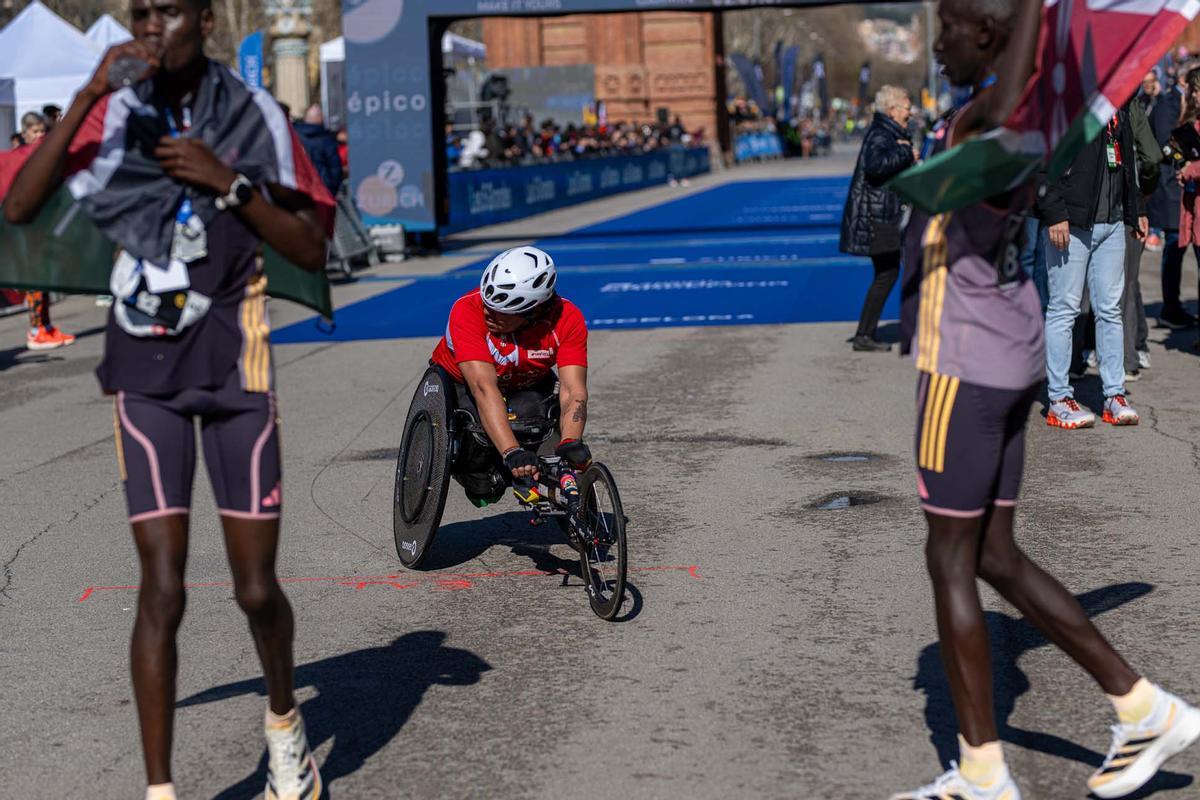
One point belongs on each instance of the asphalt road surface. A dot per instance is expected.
(771, 649)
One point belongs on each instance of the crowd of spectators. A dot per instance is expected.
(495, 145)
(801, 136)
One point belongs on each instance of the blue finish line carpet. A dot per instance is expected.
(748, 253)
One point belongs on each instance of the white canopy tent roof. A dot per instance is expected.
(47, 57)
(106, 32)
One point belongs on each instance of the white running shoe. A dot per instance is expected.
(1144, 359)
(1139, 751)
(1066, 413)
(954, 785)
(1117, 411)
(291, 769)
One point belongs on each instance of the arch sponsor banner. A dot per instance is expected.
(489, 196)
(389, 92)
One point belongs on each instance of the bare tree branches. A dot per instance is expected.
(832, 31)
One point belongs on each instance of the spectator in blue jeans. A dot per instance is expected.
(1085, 213)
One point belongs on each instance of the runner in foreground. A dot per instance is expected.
(976, 328)
(177, 169)
(502, 343)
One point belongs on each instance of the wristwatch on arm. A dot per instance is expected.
(240, 192)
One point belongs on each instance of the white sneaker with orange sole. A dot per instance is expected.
(1068, 414)
(1117, 411)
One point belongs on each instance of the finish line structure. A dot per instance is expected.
(394, 104)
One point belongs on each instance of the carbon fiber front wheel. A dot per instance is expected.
(601, 532)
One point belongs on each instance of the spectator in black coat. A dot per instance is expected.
(322, 148)
(871, 220)
(1163, 209)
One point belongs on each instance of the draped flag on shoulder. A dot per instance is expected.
(117, 196)
(1093, 55)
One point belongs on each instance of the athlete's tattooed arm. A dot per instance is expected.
(572, 399)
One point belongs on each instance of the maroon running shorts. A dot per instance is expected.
(970, 444)
(156, 450)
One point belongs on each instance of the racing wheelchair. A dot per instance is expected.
(441, 439)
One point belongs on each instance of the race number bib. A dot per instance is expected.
(151, 300)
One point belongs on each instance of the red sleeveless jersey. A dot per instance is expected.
(521, 359)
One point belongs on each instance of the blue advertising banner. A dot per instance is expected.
(489, 196)
(250, 59)
(749, 146)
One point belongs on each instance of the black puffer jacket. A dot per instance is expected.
(881, 158)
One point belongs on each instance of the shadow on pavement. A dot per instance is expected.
(363, 699)
(1012, 637)
(461, 542)
(1183, 340)
(12, 357)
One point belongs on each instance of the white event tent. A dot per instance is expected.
(106, 32)
(47, 57)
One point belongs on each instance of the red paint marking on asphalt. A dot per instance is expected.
(444, 582)
(360, 585)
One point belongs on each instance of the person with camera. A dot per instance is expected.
(1085, 213)
(871, 220)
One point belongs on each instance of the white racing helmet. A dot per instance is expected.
(518, 280)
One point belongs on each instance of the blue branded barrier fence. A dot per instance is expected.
(486, 197)
(748, 146)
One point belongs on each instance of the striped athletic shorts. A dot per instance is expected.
(156, 450)
(970, 444)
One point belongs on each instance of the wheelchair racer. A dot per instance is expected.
(502, 344)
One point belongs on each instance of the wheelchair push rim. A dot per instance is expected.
(603, 546)
(422, 470)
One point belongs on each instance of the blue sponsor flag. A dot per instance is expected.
(791, 57)
(250, 59)
(752, 78)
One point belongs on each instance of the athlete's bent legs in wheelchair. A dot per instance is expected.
(478, 466)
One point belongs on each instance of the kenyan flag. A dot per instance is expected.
(1094, 54)
(116, 193)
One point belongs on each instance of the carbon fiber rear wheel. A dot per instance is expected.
(422, 470)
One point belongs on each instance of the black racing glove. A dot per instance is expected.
(520, 457)
(574, 452)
